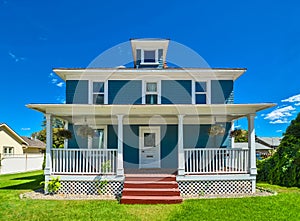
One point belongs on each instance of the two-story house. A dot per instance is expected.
(150, 126)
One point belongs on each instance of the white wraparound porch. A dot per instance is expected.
(194, 164)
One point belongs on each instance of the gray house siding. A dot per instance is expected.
(77, 92)
(124, 92)
(221, 92)
(176, 92)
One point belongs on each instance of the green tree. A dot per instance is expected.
(283, 168)
(240, 136)
(59, 133)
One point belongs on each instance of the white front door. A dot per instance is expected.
(149, 147)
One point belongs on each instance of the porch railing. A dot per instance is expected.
(84, 161)
(216, 160)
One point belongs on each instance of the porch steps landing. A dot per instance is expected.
(150, 189)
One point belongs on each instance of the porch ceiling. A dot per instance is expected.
(228, 112)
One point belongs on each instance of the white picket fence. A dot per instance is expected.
(216, 160)
(84, 161)
(20, 163)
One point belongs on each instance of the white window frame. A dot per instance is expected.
(143, 55)
(158, 91)
(91, 91)
(207, 93)
(7, 147)
(90, 139)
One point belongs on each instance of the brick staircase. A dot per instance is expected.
(150, 189)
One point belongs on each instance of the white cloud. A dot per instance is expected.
(297, 104)
(280, 121)
(278, 131)
(237, 126)
(55, 80)
(292, 99)
(26, 128)
(15, 58)
(280, 113)
(60, 84)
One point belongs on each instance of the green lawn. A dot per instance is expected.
(284, 206)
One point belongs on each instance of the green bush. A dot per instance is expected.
(283, 168)
(53, 185)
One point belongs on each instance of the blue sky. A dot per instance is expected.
(263, 36)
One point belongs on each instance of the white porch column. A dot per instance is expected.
(66, 127)
(232, 138)
(252, 149)
(181, 170)
(120, 167)
(49, 144)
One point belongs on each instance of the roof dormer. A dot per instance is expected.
(149, 52)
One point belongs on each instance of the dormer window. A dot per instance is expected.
(150, 56)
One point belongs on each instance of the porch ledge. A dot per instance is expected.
(215, 177)
(88, 177)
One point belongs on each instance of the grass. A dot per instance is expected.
(284, 206)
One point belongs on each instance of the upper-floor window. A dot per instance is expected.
(8, 150)
(151, 93)
(150, 56)
(98, 92)
(201, 94)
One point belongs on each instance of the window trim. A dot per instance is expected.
(8, 147)
(90, 139)
(143, 55)
(207, 93)
(91, 92)
(158, 91)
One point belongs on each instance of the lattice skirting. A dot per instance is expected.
(110, 188)
(215, 187)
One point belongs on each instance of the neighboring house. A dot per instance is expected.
(17, 153)
(10, 142)
(34, 145)
(151, 119)
(262, 151)
(272, 142)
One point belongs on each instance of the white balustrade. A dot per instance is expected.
(216, 160)
(84, 161)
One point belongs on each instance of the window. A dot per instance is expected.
(8, 150)
(200, 92)
(149, 139)
(98, 92)
(151, 93)
(149, 56)
(98, 139)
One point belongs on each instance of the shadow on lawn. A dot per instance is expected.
(32, 184)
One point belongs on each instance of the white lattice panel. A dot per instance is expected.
(215, 187)
(112, 188)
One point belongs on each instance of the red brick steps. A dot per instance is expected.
(150, 189)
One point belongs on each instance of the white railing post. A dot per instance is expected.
(49, 144)
(252, 149)
(181, 170)
(120, 167)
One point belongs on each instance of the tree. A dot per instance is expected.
(240, 136)
(283, 168)
(59, 133)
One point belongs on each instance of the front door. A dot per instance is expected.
(149, 147)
